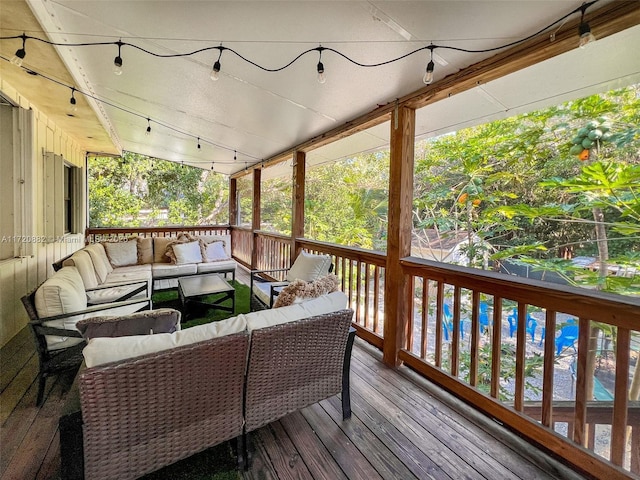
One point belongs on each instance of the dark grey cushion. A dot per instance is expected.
(163, 320)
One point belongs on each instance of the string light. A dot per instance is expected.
(73, 107)
(212, 165)
(235, 156)
(215, 72)
(148, 127)
(428, 74)
(117, 62)
(586, 37)
(321, 76)
(20, 53)
(584, 30)
(199, 147)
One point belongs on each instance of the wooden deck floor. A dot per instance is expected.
(402, 428)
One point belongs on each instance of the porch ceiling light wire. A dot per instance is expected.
(76, 90)
(216, 68)
(21, 53)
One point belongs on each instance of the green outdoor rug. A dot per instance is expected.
(169, 298)
(218, 462)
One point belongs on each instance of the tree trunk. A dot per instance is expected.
(601, 239)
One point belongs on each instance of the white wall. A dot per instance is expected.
(19, 276)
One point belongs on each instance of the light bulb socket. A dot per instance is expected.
(584, 29)
(321, 76)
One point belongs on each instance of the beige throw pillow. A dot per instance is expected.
(122, 254)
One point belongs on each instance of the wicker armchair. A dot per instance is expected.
(66, 354)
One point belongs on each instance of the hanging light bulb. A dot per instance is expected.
(199, 147)
(117, 62)
(321, 76)
(148, 127)
(215, 72)
(584, 30)
(586, 37)
(428, 74)
(212, 166)
(73, 107)
(235, 156)
(20, 53)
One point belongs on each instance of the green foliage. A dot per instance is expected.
(134, 190)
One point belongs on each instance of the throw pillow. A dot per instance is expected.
(309, 267)
(187, 253)
(162, 320)
(298, 291)
(214, 252)
(122, 254)
(160, 247)
(182, 238)
(145, 250)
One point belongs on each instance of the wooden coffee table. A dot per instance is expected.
(193, 289)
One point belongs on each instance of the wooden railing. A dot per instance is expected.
(108, 233)
(361, 273)
(273, 251)
(458, 336)
(242, 245)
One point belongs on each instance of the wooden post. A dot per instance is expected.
(233, 201)
(297, 224)
(255, 216)
(399, 232)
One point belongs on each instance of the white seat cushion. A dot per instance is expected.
(309, 267)
(216, 266)
(163, 270)
(113, 294)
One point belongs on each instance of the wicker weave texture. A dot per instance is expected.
(143, 414)
(294, 365)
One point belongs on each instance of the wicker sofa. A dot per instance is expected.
(147, 402)
(146, 259)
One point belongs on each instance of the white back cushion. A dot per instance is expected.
(309, 267)
(62, 293)
(82, 261)
(101, 350)
(331, 302)
(100, 261)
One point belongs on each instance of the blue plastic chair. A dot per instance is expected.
(568, 337)
(485, 322)
(447, 323)
(531, 325)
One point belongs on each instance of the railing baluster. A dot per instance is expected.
(425, 317)
(439, 313)
(455, 341)
(358, 292)
(367, 320)
(376, 298)
(580, 417)
(412, 308)
(521, 343)
(619, 424)
(496, 347)
(475, 338)
(548, 369)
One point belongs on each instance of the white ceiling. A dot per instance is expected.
(260, 114)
